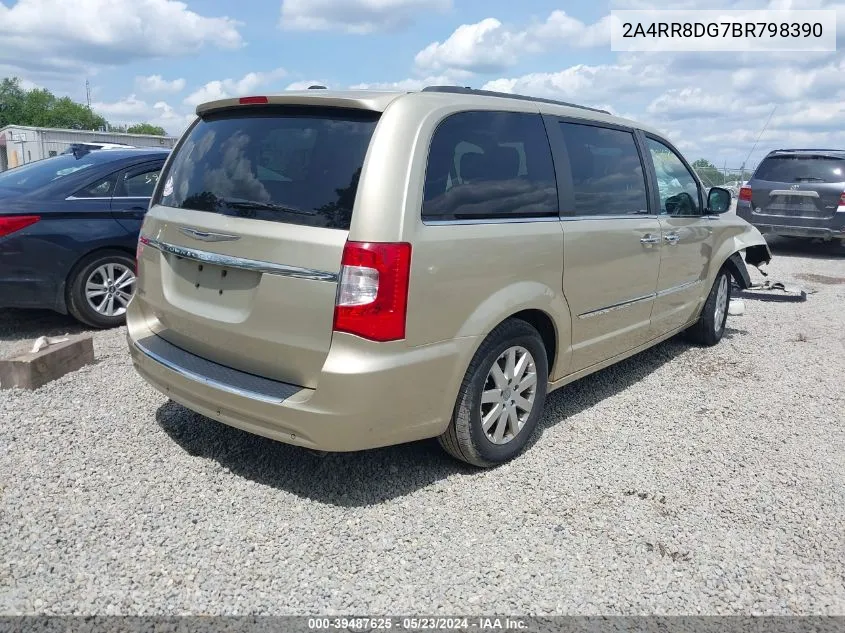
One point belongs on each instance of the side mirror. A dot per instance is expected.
(718, 200)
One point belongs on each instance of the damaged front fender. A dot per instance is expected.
(754, 244)
(738, 237)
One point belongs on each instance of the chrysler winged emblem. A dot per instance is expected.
(207, 236)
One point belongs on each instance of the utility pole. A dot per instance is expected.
(88, 94)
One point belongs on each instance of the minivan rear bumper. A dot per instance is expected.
(369, 395)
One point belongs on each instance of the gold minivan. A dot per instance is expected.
(349, 270)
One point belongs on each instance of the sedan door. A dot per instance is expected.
(687, 239)
(132, 194)
(612, 240)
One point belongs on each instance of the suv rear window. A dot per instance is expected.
(283, 164)
(795, 168)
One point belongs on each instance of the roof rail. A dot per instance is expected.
(466, 90)
(807, 149)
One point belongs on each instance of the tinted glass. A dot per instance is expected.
(607, 173)
(299, 166)
(490, 165)
(676, 186)
(140, 185)
(801, 169)
(98, 189)
(43, 172)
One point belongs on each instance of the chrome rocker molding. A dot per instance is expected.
(227, 261)
(625, 304)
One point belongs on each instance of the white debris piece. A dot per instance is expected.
(736, 307)
(43, 341)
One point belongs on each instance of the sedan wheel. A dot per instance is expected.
(109, 289)
(101, 287)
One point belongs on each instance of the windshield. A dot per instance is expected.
(796, 168)
(297, 165)
(43, 172)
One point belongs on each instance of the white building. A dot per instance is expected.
(21, 144)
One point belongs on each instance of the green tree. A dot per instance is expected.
(708, 172)
(12, 98)
(41, 108)
(146, 128)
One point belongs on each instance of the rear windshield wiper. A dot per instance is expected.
(809, 179)
(255, 205)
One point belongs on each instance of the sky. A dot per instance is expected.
(155, 60)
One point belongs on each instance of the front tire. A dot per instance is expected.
(501, 397)
(100, 288)
(710, 327)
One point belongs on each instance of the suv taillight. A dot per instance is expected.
(745, 194)
(11, 223)
(372, 296)
(841, 202)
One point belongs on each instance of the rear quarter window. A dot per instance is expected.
(297, 165)
(490, 165)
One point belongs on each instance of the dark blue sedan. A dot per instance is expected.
(69, 228)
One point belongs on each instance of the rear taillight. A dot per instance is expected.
(841, 206)
(372, 297)
(745, 194)
(11, 223)
(253, 100)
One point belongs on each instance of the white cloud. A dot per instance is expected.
(355, 16)
(225, 88)
(49, 35)
(131, 110)
(490, 45)
(155, 83)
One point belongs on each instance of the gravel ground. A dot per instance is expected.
(683, 480)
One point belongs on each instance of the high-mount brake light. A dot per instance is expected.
(253, 100)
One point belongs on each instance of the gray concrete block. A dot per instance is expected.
(31, 371)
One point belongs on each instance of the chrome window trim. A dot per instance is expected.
(228, 261)
(519, 220)
(626, 216)
(108, 198)
(195, 377)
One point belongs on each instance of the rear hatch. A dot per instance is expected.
(798, 186)
(246, 232)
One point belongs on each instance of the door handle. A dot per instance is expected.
(672, 238)
(649, 239)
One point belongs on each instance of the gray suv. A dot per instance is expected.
(797, 193)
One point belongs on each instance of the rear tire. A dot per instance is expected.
(492, 419)
(710, 327)
(100, 287)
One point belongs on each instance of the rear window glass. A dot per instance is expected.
(490, 165)
(801, 169)
(43, 172)
(293, 165)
